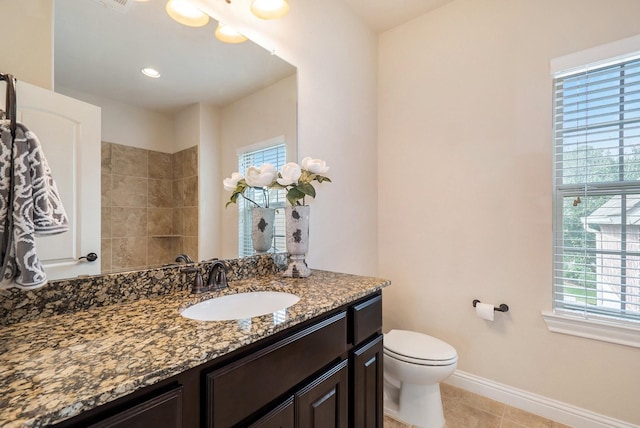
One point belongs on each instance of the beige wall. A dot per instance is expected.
(261, 116)
(26, 50)
(210, 175)
(130, 125)
(465, 191)
(335, 55)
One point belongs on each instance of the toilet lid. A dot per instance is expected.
(419, 348)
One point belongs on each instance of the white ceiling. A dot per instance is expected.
(382, 15)
(100, 51)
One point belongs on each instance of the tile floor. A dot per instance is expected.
(463, 409)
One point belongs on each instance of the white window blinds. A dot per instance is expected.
(275, 155)
(597, 192)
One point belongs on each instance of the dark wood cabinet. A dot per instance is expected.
(324, 403)
(163, 411)
(282, 416)
(367, 384)
(238, 390)
(365, 319)
(324, 373)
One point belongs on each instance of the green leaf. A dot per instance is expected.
(321, 178)
(293, 195)
(307, 189)
(234, 197)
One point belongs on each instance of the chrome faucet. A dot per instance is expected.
(218, 275)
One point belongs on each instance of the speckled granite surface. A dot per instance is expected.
(56, 367)
(78, 294)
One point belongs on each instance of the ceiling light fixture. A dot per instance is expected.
(227, 34)
(186, 13)
(150, 72)
(269, 9)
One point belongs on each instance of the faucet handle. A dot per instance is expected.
(198, 282)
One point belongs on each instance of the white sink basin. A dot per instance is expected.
(240, 306)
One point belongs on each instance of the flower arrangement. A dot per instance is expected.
(295, 179)
(261, 178)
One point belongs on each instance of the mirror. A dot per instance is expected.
(174, 137)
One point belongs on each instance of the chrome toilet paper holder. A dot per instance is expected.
(502, 308)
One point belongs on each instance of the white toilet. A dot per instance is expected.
(414, 366)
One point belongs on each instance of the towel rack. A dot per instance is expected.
(10, 101)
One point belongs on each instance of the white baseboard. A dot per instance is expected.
(533, 403)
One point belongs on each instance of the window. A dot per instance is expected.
(597, 194)
(275, 154)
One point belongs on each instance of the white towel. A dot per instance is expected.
(36, 207)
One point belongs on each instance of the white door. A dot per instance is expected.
(69, 132)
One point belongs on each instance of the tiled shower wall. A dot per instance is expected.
(149, 206)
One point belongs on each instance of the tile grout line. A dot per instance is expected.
(504, 412)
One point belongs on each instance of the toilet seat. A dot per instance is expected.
(417, 348)
(420, 361)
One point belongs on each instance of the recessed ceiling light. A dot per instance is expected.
(186, 13)
(150, 72)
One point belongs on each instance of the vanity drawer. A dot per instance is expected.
(366, 319)
(164, 410)
(238, 390)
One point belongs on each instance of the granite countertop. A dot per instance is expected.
(54, 368)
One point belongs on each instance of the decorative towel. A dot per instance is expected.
(34, 208)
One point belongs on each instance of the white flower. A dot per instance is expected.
(231, 183)
(290, 174)
(261, 176)
(314, 166)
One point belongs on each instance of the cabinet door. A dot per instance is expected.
(235, 392)
(324, 403)
(367, 394)
(281, 417)
(163, 411)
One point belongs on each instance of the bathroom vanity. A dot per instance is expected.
(139, 364)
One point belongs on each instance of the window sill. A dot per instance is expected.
(595, 329)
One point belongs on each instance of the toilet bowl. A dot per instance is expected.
(414, 366)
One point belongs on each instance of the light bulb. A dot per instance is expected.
(269, 9)
(186, 13)
(227, 34)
